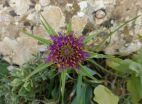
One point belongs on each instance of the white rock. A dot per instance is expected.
(44, 2)
(97, 4)
(110, 2)
(20, 6)
(69, 7)
(4, 17)
(119, 46)
(78, 23)
(18, 51)
(80, 14)
(100, 14)
(38, 7)
(132, 47)
(39, 30)
(54, 17)
(83, 5)
(42, 48)
(31, 16)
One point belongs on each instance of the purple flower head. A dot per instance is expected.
(67, 51)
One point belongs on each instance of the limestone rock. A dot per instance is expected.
(78, 23)
(123, 11)
(39, 30)
(44, 2)
(54, 16)
(123, 42)
(95, 7)
(18, 51)
(20, 6)
(83, 6)
(8, 28)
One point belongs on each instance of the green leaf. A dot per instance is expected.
(134, 86)
(80, 92)
(100, 67)
(3, 68)
(47, 27)
(88, 95)
(125, 66)
(85, 71)
(28, 85)
(16, 82)
(90, 37)
(135, 67)
(83, 92)
(138, 56)
(119, 65)
(40, 68)
(79, 99)
(23, 92)
(63, 81)
(39, 38)
(104, 96)
(69, 27)
(97, 55)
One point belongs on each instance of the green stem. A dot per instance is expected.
(63, 81)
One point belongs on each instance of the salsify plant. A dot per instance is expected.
(68, 52)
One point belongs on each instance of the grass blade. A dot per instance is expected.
(69, 28)
(47, 27)
(63, 81)
(97, 55)
(87, 72)
(39, 38)
(90, 37)
(40, 68)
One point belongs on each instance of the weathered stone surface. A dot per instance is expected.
(39, 30)
(126, 40)
(78, 23)
(8, 27)
(20, 6)
(18, 51)
(54, 16)
(44, 2)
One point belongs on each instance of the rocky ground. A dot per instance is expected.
(86, 16)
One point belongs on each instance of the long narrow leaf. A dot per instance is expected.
(47, 27)
(79, 93)
(90, 37)
(69, 28)
(84, 71)
(40, 68)
(63, 81)
(39, 38)
(79, 87)
(97, 55)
